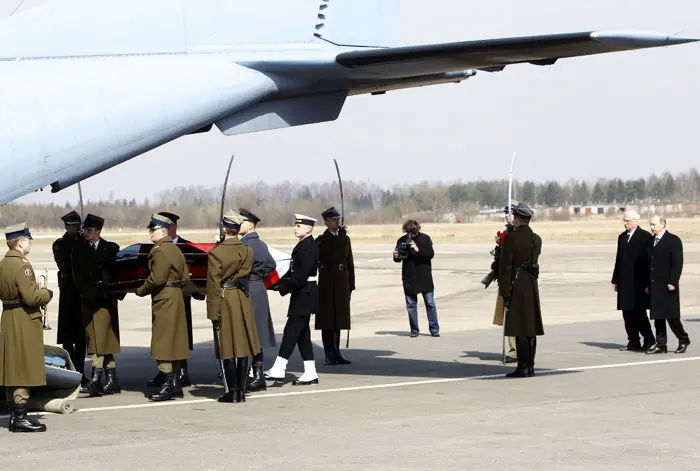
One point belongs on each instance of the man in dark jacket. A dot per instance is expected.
(263, 265)
(71, 332)
(415, 252)
(518, 272)
(629, 280)
(336, 282)
(665, 252)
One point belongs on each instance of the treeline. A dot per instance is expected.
(365, 202)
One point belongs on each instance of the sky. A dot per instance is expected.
(623, 115)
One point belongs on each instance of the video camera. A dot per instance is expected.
(404, 247)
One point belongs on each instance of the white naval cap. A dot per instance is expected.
(301, 219)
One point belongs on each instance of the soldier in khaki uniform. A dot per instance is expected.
(21, 329)
(168, 273)
(230, 308)
(100, 310)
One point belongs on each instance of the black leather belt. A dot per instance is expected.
(9, 306)
(174, 284)
(339, 266)
(255, 278)
(232, 284)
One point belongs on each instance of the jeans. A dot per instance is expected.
(412, 307)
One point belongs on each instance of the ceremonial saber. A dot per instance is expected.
(217, 327)
(342, 223)
(510, 217)
(80, 195)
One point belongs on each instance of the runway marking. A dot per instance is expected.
(384, 386)
(378, 260)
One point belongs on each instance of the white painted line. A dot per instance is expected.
(389, 385)
(378, 260)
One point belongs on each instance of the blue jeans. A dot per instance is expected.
(412, 307)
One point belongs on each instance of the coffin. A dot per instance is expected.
(130, 268)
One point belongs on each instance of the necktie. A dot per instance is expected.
(656, 241)
(94, 247)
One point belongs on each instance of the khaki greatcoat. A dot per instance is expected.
(230, 261)
(100, 310)
(166, 264)
(21, 329)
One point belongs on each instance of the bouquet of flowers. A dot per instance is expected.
(496, 253)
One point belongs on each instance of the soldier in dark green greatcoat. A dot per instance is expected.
(517, 284)
(336, 282)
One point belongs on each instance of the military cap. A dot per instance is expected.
(301, 219)
(331, 213)
(248, 216)
(17, 230)
(158, 220)
(71, 218)
(232, 220)
(522, 210)
(173, 217)
(93, 221)
(513, 205)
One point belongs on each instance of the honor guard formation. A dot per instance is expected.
(319, 282)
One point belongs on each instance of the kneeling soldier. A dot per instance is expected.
(167, 274)
(21, 329)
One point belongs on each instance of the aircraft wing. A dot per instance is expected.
(494, 54)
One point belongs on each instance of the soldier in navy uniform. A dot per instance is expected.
(301, 284)
(71, 333)
(263, 265)
(159, 379)
(336, 283)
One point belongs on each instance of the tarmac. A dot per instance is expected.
(407, 403)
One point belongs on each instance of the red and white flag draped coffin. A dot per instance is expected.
(130, 268)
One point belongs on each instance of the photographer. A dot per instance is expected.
(415, 251)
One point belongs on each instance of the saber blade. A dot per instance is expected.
(223, 200)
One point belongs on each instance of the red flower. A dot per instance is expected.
(501, 236)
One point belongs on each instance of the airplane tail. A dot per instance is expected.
(359, 23)
(75, 28)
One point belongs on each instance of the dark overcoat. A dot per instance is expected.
(70, 320)
(21, 328)
(304, 292)
(416, 270)
(518, 285)
(188, 301)
(231, 260)
(665, 268)
(100, 310)
(336, 281)
(263, 265)
(167, 266)
(631, 272)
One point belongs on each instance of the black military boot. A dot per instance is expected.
(231, 380)
(533, 348)
(184, 375)
(171, 388)
(522, 345)
(157, 381)
(21, 422)
(85, 381)
(258, 383)
(336, 350)
(112, 386)
(241, 375)
(328, 340)
(94, 387)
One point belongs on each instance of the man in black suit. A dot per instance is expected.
(629, 280)
(665, 252)
(159, 379)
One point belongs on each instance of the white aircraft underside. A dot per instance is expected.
(88, 84)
